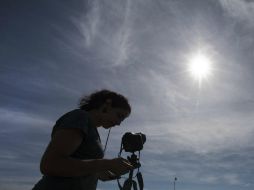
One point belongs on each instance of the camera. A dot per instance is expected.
(133, 141)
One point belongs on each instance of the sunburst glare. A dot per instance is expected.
(200, 66)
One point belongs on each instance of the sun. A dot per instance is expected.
(200, 66)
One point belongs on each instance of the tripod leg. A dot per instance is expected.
(140, 181)
(135, 186)
(127, 184)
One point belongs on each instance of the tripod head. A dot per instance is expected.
(134, 160)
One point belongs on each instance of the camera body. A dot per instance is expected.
(133, 142)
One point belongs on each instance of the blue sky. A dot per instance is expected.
(53, 52)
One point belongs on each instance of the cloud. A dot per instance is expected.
(242, 10)
(17, 182)
(201, 135)
(213, 168)
(89, 22)
(105, 32)
(22, 118)
(23, 139)
(232, 179)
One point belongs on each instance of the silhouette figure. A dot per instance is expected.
(73, 159)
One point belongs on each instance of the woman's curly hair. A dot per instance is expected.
(98, 98)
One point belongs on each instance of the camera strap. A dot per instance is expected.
(105, 147)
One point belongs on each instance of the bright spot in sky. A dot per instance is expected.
(200, 66)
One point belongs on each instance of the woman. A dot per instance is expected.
(73, 159)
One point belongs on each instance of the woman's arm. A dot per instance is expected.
(56, 160)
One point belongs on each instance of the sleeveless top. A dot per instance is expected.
(90, 148)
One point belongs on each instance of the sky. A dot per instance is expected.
(54, 52)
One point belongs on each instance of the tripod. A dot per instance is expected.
(129, 183)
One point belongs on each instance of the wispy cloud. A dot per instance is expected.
(232, 179)
(17, 117)
(111, 45)
(89, 22)
(242, 10)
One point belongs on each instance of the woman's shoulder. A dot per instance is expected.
(73, 119)
(75, 113)
(73, 116)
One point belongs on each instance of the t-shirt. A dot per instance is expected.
(90, 148)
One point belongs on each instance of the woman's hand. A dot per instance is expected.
(120, 166)
(107, 176)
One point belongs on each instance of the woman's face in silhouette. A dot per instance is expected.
(112, 117)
